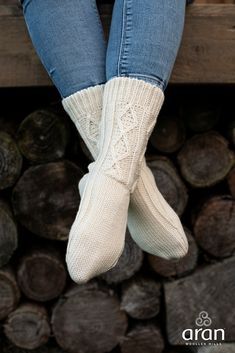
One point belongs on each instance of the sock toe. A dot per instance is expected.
(97, 236)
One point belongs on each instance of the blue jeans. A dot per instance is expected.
(68, 37)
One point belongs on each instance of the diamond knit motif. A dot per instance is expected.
(97, 236)
(122, 150)
(83, 107)
(92, 126)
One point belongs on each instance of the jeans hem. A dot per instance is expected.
(151, 79)
(80, 87)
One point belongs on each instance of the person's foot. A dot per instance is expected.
(130, 109)
(97, 236)
(152, 223)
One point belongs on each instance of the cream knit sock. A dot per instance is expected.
(130, 111)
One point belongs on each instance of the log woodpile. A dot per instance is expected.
(144, 303)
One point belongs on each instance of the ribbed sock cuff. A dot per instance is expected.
(84, 108)
(135, 91)
(88, 100)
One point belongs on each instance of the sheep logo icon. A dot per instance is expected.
(203, 319)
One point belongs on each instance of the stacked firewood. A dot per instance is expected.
(145, 303)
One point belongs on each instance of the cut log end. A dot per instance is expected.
(168, 135)
(43, 136)
(141, 297)
(41, 275)
(205, 160)
(214, 226)
(8, 236)
(169, 183)
(48, 208)
(9, 292)
(143, 338)
(10, 161)
(28, 326)
(90, 311)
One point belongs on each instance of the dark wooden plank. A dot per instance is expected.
(206, 55)
(207, 52)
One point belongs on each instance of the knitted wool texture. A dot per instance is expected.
(115, 120)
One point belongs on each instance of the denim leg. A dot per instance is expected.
(68, 37)
(144, 39)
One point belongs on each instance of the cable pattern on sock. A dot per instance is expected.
(88, 126)
(135, 113)
(83, 107)
(129, 112)
(119, 157)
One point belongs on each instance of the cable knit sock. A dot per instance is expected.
(85, 108)
(97, 236)
(153, 224)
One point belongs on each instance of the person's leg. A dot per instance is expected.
(69, 40)
(68, 37)
(144, 39)
(143, 44)
(130, 109)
